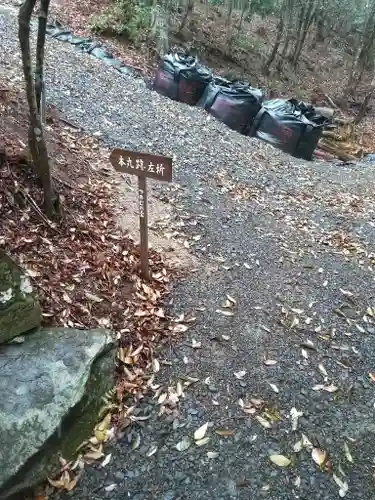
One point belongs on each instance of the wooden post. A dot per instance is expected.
(143, 226)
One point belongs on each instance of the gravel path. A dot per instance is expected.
(291, 243)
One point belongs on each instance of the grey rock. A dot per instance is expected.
(50, 391)
(19, 308)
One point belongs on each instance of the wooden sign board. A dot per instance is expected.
(144, 166)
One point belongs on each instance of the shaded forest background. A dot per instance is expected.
(321, 51)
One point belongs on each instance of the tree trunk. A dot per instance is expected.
(229, 22)
(37, 145)
(280, 31)
(41, 40)
(246, 10)
(303, 30)
(188, 12)
(289, 7)
(363, 109)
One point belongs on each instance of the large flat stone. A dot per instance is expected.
(19, 308)
(50, 391)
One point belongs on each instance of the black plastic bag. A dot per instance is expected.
(181, 78)
(283, 124)
(234, 103)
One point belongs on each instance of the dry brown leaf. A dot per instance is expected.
(224, 432)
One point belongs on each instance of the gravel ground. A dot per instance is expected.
(291, 242)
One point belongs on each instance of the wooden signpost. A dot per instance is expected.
(142, 165)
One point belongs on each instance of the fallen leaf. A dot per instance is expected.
(201, 432)
(136, 442)
(212, 454)
(225, 313)
(152, 451)
(343, 485)
(180, 328)
(195, 344)
(224, 432)
(319, 456)
(297, 447)
(106, 460)
(231, 299)
(67, 298)
(183, 445)
(270, 362)
(295, 322)
(110, 487)
(280, 460)
(240, 374)
(202, 442)
(263, 422)
(93, 298)
(59, 484)
(348, 455)
(155, 365)
(274, 387)
(323, 370)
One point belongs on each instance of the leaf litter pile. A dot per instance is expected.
(85, 271)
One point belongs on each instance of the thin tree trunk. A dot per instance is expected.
(289, 5)
(303, 30)
(246, 9)
(41, 40)
(229, 22)
(363, 109)
(272, 56)
(37, 145)
(188, 12)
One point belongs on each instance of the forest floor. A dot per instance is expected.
(269, 392)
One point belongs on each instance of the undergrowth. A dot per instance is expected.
(127, 18)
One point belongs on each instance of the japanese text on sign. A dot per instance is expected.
(141, 200)
(142, 164)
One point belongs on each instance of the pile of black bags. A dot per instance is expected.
(292, 126)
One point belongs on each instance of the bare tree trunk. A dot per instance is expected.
(41, 40)
(37, 145)
(289, 7)
(363, 109)
(272, 56)
(246, 9)
(188, 12)
(229, 22)
(303, 30)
